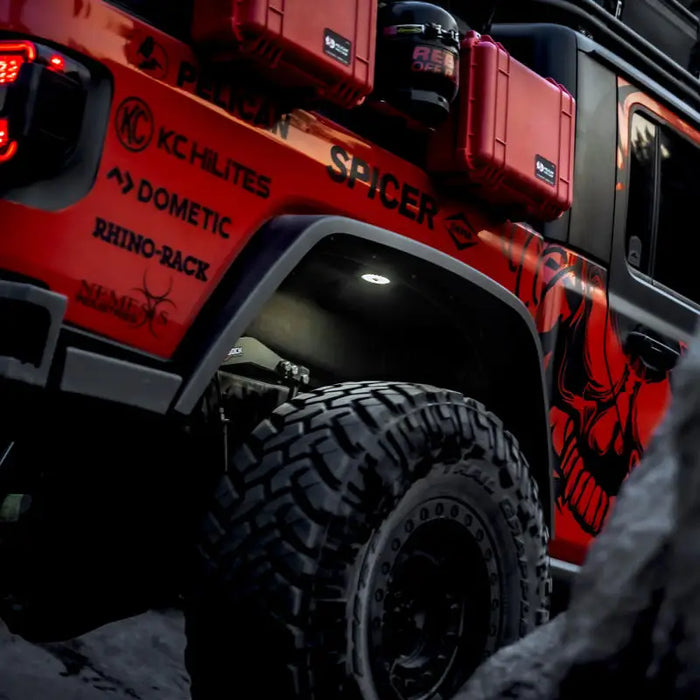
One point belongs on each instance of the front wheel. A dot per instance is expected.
(372, 541)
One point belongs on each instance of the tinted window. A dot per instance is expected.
(664, 188)
(640, 210)
(171, 16)
(675, 263)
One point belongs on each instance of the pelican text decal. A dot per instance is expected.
(388, 189)
(147, 248)
(236, 99)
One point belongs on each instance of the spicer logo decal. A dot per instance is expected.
(461, 231)
(147, 248)
(134, 125)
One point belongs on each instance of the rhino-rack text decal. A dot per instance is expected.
(386, 188)
(177, 206)
(147, 248)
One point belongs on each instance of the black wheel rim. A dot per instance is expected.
(434, 606)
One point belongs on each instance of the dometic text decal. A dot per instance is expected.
(385, 187)
(176, 205)
(143, 308)
(213, 162)
(133, 122)
(238, 100)
(146, 247)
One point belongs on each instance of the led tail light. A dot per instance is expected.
(13, 55)
(7, 147)
(42, 100)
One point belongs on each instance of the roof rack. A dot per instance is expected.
(607, 31)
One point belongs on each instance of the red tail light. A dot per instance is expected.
(7, 148)
(12, 57)
(4, 134)
(34, 134)
(57, 63)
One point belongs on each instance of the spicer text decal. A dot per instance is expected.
(147, 248)
(386, 188)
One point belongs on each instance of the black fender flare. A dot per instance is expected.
(268, 259)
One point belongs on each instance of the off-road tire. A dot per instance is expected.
(306, 532)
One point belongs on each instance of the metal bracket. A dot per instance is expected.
(251, 353)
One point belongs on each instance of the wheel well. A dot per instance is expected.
(426, 325)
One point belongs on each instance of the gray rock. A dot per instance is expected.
(140, 658)
(634, 616)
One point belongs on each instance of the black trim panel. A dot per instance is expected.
(107, 378)
(612, 34)
(54, 305)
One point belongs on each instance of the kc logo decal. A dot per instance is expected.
(134, 124)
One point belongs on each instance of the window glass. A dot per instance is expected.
(640, 207)
(675, 262)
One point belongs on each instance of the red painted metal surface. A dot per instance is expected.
(191, 168)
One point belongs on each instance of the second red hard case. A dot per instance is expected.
(511, 135)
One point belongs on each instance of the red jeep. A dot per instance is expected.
(299, 325)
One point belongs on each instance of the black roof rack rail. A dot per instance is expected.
(610, 33)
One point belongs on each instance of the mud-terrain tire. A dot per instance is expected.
(371, 540)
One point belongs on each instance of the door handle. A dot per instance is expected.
(656, 355)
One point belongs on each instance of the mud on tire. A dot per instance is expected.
(371, 540)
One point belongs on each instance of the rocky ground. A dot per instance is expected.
(139, 659)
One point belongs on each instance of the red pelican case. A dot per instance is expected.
(511, 135)
(326, 46)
